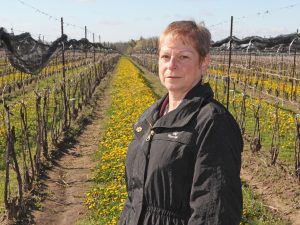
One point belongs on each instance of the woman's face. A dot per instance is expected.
(179, 66)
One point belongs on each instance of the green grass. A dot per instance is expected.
(256, 213)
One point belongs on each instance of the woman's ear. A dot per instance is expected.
(205, 63)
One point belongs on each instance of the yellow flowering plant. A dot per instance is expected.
(130, 97)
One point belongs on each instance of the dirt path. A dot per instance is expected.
(280, 191)
(69, 178)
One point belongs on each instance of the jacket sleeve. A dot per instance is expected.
(216, 196)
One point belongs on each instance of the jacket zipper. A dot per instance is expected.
(151, 134)
(148, 139)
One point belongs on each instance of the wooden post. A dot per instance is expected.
(85, 35)
(229, 63)
(99, 43)
(64, 78)
(294, 70)
(94, 48)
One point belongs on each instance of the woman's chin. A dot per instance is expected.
(173, 88)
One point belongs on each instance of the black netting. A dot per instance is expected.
(27, 54)
(279, 43)
(82, 44)
(31, 56)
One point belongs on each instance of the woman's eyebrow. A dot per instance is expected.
(176, 50)
(185, 51)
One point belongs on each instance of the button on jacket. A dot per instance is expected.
(184, 167)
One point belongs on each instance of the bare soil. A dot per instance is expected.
(279, 190)
(69, 178)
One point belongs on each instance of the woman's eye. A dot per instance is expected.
(164, 57)
(181, 57)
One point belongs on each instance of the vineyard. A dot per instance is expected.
(262, 92)
(36, 110)
(261, 89)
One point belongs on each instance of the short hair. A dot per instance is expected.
(189, 31)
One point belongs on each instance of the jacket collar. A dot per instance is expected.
(180, 116)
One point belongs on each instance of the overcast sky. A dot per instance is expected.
(122, 20)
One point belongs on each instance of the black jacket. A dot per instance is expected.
(184, 167)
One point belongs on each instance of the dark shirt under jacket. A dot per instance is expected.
(183, 168)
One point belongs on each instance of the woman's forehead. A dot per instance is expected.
(180, 44)
(186, 40)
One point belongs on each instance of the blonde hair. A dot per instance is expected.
(189, 32)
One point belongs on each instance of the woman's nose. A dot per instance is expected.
(172, 63)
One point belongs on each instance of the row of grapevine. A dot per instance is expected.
(14, 80)
(33, 119)
(275, 75)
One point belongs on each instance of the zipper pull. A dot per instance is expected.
(150, 135)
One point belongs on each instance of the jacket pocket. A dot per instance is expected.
(172, 150)
(182, 137)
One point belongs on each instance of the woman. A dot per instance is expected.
(183, 164)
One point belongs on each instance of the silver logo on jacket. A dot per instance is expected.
(174, 135)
